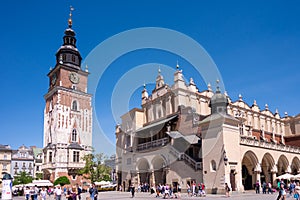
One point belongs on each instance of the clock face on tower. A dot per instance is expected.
(74, 78)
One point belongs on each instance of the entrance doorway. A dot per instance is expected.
(247, 178)
(232, 180)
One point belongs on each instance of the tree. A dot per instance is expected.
(22, 178)
(39, 176)
(63, 180)
(95, 169)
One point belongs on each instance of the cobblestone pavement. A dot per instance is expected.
(146, 196)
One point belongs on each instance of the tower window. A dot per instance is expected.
(213, 165)
(64, 57)
(74, 135)
(74, 105)
(50, 156)
(75, 156)
(73, 58)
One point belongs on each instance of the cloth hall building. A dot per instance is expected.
(181, 135)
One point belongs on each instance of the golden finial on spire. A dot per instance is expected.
(70, 18)
(177, 65)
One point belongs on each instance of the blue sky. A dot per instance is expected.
(255, 45)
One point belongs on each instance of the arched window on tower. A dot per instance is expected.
(64, 57)
(74, 135)
(74, 105)
(213, 166)
(73, 58)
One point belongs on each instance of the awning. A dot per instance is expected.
(191, 139)
(175, 134)
(155, 126)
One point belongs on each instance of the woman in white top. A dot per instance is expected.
(43, 193)
(27, 193)
(58, 192)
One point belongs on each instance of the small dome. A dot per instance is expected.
(218, 98)
(69, 32)
(218, 103)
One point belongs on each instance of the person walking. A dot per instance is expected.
(132, 189)
(264, 187)
(27, 193)
(79, 191)
(57, 192)
(93, 192)
(43, 193)
(282, 193)
(227, 190)
(297, 191)
(188, 189)
(257, 186)
(270, 189)
(194, 189)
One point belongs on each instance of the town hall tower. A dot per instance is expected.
(67, 114)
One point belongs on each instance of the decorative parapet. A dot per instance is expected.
(249, 141)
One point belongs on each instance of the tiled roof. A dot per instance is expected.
(4, 147)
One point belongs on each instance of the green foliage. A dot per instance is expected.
(39, 176)
(63, 180)
(95, 169)
(22, 178)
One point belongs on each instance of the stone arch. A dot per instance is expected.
(159, 170)
(251, 160)
(282, 164)
(158, 162)
(142, 165)
(267, 166)
(46, 174)
(143, 169)
(295, 166)
(249, 164)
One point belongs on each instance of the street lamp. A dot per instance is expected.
(225, 158)
(114, 176)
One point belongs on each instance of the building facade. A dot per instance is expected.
(38, 161)
(67, 114)
(22, 160)
(182, 135)
(5, 161)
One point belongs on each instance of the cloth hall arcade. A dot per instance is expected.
(182, 134)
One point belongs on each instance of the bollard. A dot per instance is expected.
(6, 187)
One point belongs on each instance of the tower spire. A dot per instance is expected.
(68, 53)
(218, 87)
(70, 22)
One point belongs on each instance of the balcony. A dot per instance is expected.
(267, 145)
(153, 144)
(76, 165)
